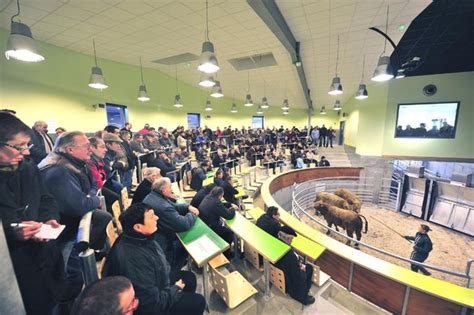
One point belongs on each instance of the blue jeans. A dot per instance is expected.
(126, 178)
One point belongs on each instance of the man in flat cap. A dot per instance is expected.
(421, 248)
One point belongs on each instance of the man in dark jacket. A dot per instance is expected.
(37, 264)
(323, 136)
(150, 175)
(131, 159)
(174, 218)
(42, 142)
(138, 257)
(421, 248)
(297, 276)
(211, 210)
(199, 196)
(269, 221)
(67, 178)
(198, 175)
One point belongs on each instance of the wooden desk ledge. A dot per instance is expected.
(301, 244)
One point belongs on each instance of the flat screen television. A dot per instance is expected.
(427, 120)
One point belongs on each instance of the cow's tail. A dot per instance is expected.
(366, 223)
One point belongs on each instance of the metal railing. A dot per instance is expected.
(382, 192)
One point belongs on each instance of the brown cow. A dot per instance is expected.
(347, 219)
(352, 199)
(331, 199)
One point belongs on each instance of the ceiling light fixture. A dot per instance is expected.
(208, 107)
(323, 110)
(21, 44)
(233, 109)
(286, 105)
(337, 105)
(362, 93)
(142, 93)
(177, 99)
(97, 80)
(384, 71)
(207, 80)
(286, 112)
(336, 86)
(259, 110)
(208, 61)
(248, 98)
(216, 90)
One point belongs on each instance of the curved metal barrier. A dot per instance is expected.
(385, 195)
(394, 288)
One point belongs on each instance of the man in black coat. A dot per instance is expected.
(138, 257)
(269, 221)
(199, 196)
(323, 132)
(211, 210)
(38, 265)
(42, 142)
(297, 276)
(198, 175)
(421, 248)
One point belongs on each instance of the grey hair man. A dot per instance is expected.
(174, 218)
(42, 142)
(67, 178)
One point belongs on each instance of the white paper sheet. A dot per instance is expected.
(202, 248)
(48, 232)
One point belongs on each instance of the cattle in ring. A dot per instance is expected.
(352, 199)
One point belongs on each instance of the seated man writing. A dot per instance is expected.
(138, 257)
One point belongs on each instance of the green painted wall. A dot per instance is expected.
(451, 87)
(56, 90)
(370, 124)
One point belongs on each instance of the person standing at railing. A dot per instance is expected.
(421, 249)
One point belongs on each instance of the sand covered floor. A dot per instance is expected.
(451, 250)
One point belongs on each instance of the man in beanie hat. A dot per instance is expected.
(421, 248)
(297, 275)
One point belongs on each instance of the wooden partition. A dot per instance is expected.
(394, 288)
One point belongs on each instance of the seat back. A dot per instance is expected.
(111, 234)
(125, 202)
(116, 213)
(219, 283)
(277, 278)
(252, 256)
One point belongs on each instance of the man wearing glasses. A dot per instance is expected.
(24, 208)
(68, 179)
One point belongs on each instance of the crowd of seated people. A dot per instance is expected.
(65, 179)
(445, 131)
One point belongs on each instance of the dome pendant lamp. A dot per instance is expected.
(362, 93)
(384, 70)
(264, 98)
(323, 110)
(248, 98)
(21, 44)
(337, 105)
(97, 80)
(208, 107)
(336, 86)
(233, 109)
(142, 93)
(216, 90)
(208, 61)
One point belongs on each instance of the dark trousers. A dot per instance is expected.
(302, 292)
(190, 303)
(322, 141)
(227, 235)
(423, 270)
(328, 141)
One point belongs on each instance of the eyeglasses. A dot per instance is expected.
(132, 307)
(20, 149)
(83, 146)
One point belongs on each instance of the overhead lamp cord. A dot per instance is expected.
(386, 29)
(207, 21)
(141, 70)
(363, 69)
(337, 56)
(18, 10)
(176, 76)
(95, 55)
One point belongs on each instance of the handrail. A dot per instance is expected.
(298, 193)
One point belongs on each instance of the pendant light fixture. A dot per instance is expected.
(264, 98)
(362, 93)
(384, 70)
(233, 109)
(142, 93)
(21, 44)
(208, 107)
(337, 105)
(286, 112)
(216, 90)
(177, 99)
(286, 105)
(259, 110)
(323, 110)
(207, 80)
(208, 61)
(97, 80)
(248, 98)
(336, 86)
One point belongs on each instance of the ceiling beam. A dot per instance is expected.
(268, 11)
